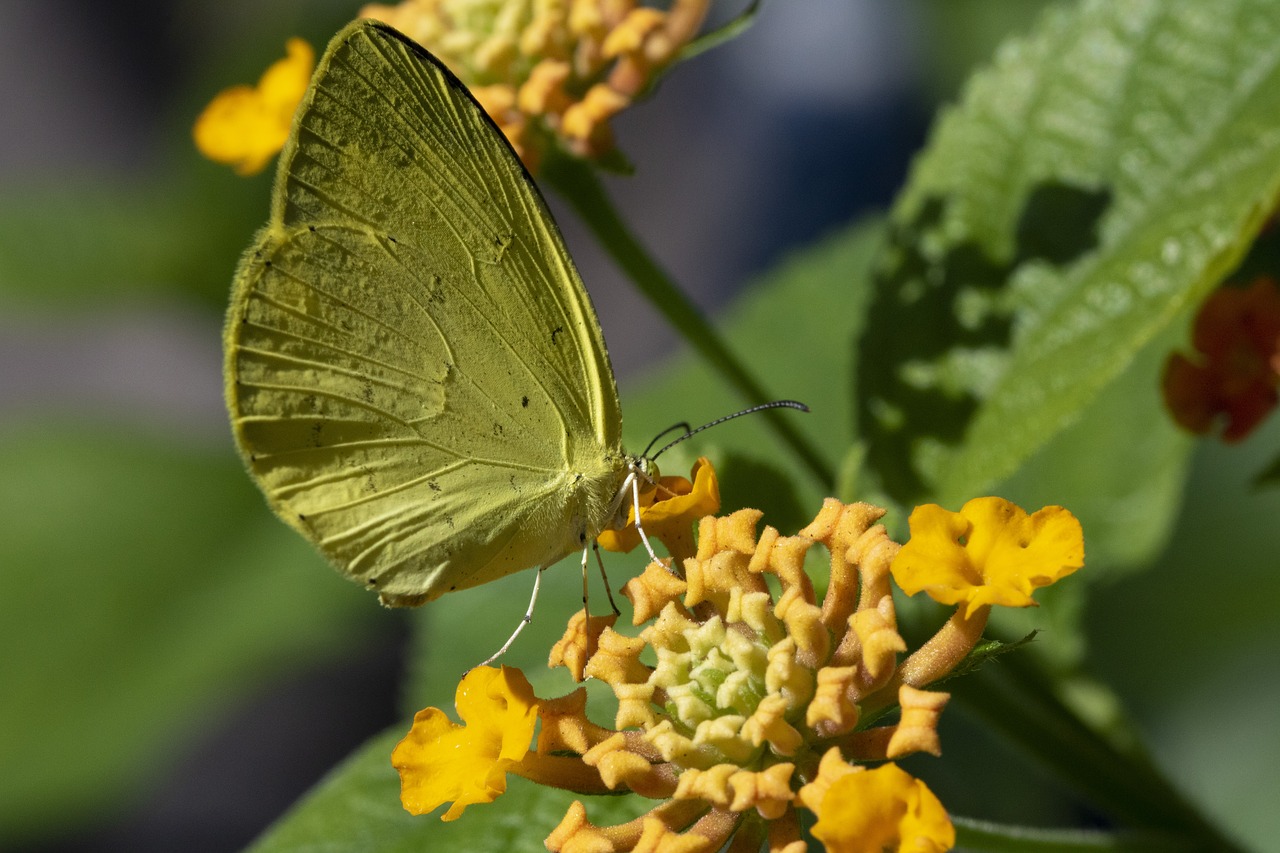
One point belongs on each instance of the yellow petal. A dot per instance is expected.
(991, 552)
(440, 761)
(245, 126)
(882, 809)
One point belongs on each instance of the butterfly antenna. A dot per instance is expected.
(776, 404)
(684, 425)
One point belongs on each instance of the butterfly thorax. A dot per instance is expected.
(638, 471)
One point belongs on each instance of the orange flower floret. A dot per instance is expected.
(768, 791)
(580, 642)
(1237, 333)
(860, 552)
(617, 659)
(565, 726)
(832, 710)
(880, 643)
(622, 767)
(918, 729)
(669, 511)
(658, 837)
(991, 552)
(652, 591)
(576, 834)
(440, 761)
(246, 126)
(881, 809)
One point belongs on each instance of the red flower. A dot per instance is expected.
(1238, 334)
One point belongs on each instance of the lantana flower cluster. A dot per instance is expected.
(541, 69)
(564, 66)
(746, 697)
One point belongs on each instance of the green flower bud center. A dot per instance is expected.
(710, 671)
(485, 37)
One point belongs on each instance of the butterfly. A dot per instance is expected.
(415, 375)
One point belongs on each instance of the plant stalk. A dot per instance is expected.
(579, 185)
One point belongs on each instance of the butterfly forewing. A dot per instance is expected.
(415, 373)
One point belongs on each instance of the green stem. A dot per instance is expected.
(999, 838)
(578, 184)
(1015, 701)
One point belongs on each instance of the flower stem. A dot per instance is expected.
(579, 185)
(945, 650)
(932, 660)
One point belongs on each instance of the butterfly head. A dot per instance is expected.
(644, 468)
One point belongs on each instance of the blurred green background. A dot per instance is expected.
(180, 667)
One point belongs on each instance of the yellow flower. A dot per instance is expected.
(669, 512)
(440, 761)
(246, 126)
(991, 552)
(885, 809)
(550, 69)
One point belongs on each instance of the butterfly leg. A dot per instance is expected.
(604, 576)
(528, 617)
(635, 497)
(585, 610)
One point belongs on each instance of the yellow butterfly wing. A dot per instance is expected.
(415, 374)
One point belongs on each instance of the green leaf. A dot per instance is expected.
(144, 588)
(985, 652)
(1093, 184)
(357, 809)
(1120, 469)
